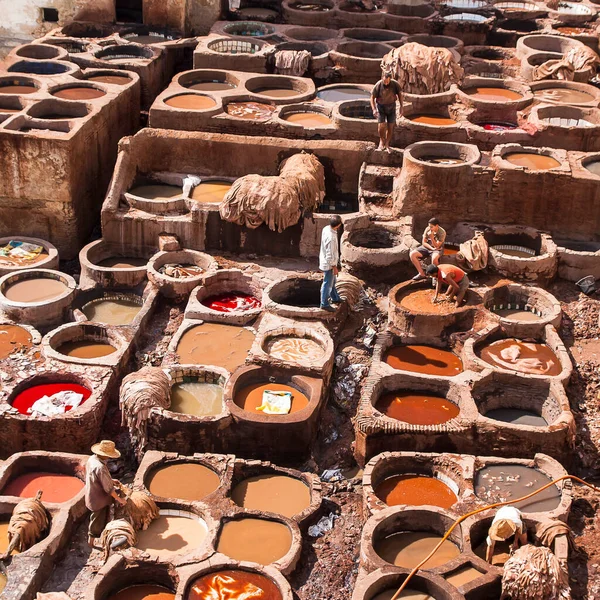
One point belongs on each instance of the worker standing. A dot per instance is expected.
(383, 102)
(329, 258)
(100, 491)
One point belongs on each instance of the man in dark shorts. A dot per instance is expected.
(454, 277)
(432, 245)
(383, 102)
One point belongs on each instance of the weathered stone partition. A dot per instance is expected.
(564, 200)
(56, 194)
(203, 154)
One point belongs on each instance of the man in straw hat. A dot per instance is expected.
(506, 524)
(100, 488)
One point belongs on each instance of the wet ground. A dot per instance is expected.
(328, 566)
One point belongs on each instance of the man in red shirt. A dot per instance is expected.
(454, 277)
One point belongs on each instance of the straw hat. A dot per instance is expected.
(106, 448)
(502, 529)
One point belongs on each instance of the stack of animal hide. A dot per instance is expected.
(28, 524)
(547, 530)
(475, 252)
(579, 58)
(423, 70)
(119, 532)
(140, 510)
(140, 392)
(277, 201)
(292, 62)
(349, 288)
(533, 573)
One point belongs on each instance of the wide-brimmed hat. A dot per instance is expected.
(502, 529)
(106, 448)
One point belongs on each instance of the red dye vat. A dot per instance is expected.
(57, 487)
(231, 301)
(25, 400)
(498, 126)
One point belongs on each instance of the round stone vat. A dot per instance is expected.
(39, 297)
(296, 297)
(356, 111)
(59, 477)
(404, 536)
(280, 88)
(190, 480)
(310, 34)
(54, 110)
(523, 310)
(541, 357)
(313, 15)
(211, 191)
(176, 274)
(157, 194)
(560, 118)
(219, 344)
(112, 307)
(516, 156)
(532, 414)
(13, 257)
(521, 253)
(110, 77)
(111, 265)
(16, 338)
(518, 25)
(236, 46)
(177, 532)
(19, 86)
(411, 310)
(530, 62)
(258, 13)
(437, 41)
(77, 92)
(340, 93)
(86, 344)
(71, 46)
(427, 360)
(368, 51)
(566, 92)
(211, 577)
(86, 30)
(40, 52)
(499, 479)
(431, 117)
(574, 12)
(310, 347)
(266, 488)
(148, 36)
(124, 53)
(260, 538)
(208, 80)
(442, 155)
(412, 479)
(42, 68)
(307, 116)
(317, 50)
(194, 102)
(577, 259)
(366, 34)
(383, 583)
(138, 580)
(370, 248)
(249, 28)
(249, 108)
(197, 419)
(483, 91)
(530, 44)
(227, 296)
(286, 424)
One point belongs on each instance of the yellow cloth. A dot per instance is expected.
(276, 403)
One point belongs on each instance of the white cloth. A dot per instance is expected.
(276, 403)
(56, 404)
(329, 254)
(189, 182)
(508, 513)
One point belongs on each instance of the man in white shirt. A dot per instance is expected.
(329, 257)
(506, 524)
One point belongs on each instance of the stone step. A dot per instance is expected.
(376, 205)
(378, 178)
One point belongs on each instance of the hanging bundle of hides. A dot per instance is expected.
(117, 534)
(349, 288)
(28, 524)
(141, 392)
(547, 530)
(533, 573)
(423, 70)
(277, 201)
(140, 510)
(292, 62)
(475, 252)
(579, 58)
